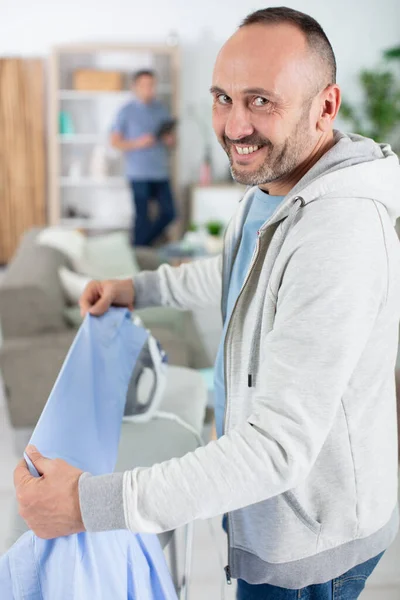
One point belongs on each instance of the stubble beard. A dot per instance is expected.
(280, 161)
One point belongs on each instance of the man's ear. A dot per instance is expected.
(329, 107)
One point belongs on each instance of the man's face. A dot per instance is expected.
(145, 88)
(263, 87)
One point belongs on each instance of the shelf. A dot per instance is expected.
(88, 182)
(91, 224)
(90, 95)
(75, 138)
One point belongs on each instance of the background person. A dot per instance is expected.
(146, 157)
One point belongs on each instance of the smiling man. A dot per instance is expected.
(305, 467)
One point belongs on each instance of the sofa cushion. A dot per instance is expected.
(67, 241)
(99, 257)
(109, 256)
(73, 285)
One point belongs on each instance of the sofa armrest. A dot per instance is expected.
(147, 258)
(31, 295)
(30, 367)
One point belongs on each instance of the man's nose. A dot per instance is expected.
(238, 124)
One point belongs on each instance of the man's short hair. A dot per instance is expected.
(143, 73)
(315, 35)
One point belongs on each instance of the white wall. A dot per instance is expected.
(358, 30)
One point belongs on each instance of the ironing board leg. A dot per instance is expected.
(189, 532)
(173, 561)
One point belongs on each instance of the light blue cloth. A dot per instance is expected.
(134, 120)
(81, 423)
(262, 208)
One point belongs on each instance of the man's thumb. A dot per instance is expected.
(102, 305)
(39, 461)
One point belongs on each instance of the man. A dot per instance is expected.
(305, 466)
(136, 132)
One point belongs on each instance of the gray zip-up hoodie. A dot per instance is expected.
(307, 467)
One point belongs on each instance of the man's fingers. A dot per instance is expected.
(39, 461)
(102, 305)
(85, 306)
(21, 473)
(89, 297)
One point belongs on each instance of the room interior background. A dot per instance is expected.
(359, 32)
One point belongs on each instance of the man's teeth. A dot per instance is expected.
(246, 149)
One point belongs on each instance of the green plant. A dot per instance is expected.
(214, 227)
(392, 53)
(192, 227)
(379, 115)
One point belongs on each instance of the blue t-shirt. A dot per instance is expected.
(134, 120)
(262, 207)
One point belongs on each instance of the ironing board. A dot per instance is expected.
(174, 432)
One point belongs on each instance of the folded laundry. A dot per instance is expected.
(81, 424)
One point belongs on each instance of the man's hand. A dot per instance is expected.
(144, 141)
(169, 139)
(49, 504)
(98, 296)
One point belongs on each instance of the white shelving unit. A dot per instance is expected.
(76, 197)
(83, 95)
(88, 182)
(79, 138)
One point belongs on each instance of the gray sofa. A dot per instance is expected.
(37, 336)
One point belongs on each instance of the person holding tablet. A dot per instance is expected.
(145, 132)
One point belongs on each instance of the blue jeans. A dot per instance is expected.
(346, 587)
(145, 230)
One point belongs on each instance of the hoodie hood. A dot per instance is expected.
(355, 167)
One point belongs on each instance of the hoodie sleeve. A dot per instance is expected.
(332, 292)
(193, 285)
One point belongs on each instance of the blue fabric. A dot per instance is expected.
(346, 587)
(134, 120)
(262, 208)
(145, 231)
(81, 423)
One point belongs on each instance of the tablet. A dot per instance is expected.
(166, 127)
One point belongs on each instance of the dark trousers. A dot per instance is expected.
(145, 230)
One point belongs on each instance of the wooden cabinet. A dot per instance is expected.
(22, 151)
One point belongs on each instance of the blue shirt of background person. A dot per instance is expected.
(137, 123)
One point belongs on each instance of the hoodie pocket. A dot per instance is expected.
(277, 530)
(300, 513)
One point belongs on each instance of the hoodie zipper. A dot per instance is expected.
(227, 569)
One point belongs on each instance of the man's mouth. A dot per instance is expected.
(246, 149)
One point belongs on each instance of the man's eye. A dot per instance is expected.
(223, 99)
(260, 101)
